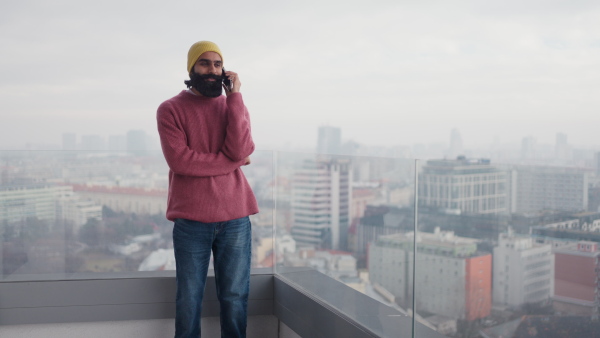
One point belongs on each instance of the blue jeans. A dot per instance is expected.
(231, 244)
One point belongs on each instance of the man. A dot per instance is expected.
(206, 139)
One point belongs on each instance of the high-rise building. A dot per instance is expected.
(471, 186)
(536, 188)
(20, 202)
(528, 148)
(577, 279)
(453, 279)
(562, 151)
(456, 144)
(321, 203)
(523, 271)
(329, 140)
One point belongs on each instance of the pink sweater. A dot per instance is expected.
(205, 142)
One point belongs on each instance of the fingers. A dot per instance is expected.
(235, 80)
(231, 75)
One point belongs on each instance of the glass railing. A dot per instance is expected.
(497, 250)
(79, 214)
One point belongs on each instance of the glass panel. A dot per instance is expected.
(67, 214)
(334, 214)
(453, 274)
(518, 256)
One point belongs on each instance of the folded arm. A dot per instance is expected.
(185, 161)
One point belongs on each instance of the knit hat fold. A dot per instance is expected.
(198, 49)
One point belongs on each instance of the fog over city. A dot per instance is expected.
(385, 72)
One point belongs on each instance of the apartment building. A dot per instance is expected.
(321, 203)
(453, 279)
(126, 199)
(535, 188)
(523, 270)
(577, 279)
(19, 202)
(469, 185)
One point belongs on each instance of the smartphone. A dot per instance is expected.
(226, 81)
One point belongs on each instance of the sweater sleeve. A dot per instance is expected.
(183, 160)
(238, 142)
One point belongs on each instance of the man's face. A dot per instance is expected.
(206, 75)
(209, 63)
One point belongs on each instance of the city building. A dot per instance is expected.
(447, 264)
(523, 271)
(379, 221)
(20, 202)
(577, 279)
(321, 203)
(528, 148)
(329, 140)
(456, 144)
(334, 263)
(544, 326)
(76, 210)
(585, 227)
(562, 150)
(535, 188)
(125, 199)
(469, 185)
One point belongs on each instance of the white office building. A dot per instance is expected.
(535, 188)
(523, 271)
(21, 202)
(321, 203)
(470, 185)
(453, 279)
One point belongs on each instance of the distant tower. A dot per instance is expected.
(528, 145)
(330, 140)
(456, 144)
(561, 148)
(136, 142)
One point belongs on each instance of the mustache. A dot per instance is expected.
(209, 76)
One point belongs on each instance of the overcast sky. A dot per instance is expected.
(386, 72)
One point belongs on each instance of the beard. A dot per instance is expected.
(204, 86)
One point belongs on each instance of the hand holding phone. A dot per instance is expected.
(227, 84)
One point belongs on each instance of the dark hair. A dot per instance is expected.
(188, 83)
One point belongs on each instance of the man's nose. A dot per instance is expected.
(212, 69)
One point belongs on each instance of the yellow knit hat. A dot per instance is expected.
(198, 49)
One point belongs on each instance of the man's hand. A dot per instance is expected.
(233, 77)
(247, 161)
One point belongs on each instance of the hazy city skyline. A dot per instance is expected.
(385, 72)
